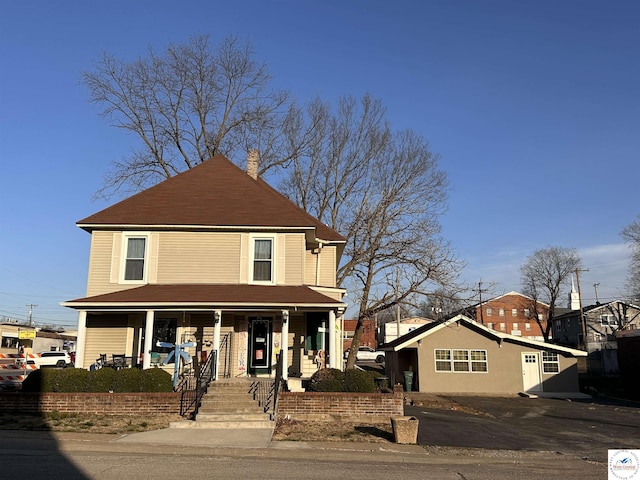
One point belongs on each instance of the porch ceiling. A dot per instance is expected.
(208, 296)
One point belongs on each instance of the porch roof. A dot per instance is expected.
(208, 296)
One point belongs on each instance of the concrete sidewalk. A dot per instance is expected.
(204, 437)
(251, 438)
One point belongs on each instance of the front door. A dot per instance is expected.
(260, 344)
(531, 379)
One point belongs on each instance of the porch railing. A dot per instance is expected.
(266, 391)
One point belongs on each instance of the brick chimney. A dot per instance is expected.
(252, 163)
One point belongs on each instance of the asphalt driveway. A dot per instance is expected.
(580, 428)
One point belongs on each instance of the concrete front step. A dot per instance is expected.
(222, 425)
(228, 405)
(231, 417)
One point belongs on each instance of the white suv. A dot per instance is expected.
(53, 359)
(366, 353)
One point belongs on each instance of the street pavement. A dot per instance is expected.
(582, 428)
(483, 438)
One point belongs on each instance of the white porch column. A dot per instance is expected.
(148, 340)
(284, 343)
(333, 356)
(217, 324)
(81, 339)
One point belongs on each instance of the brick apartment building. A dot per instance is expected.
(512, 313)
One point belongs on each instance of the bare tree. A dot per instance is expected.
(384, 192)
(631, 234)
(186, 105)
(543, 275)
(440, 303)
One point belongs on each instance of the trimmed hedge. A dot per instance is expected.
(74, 380)
(358, 381)
(334, 380)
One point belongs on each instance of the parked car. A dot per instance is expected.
(53, 359)
(366, 353)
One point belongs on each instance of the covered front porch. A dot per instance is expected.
(247, 338)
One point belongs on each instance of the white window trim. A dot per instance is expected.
(550, 362)
(252, 243)
(123, 256)
(451, 360)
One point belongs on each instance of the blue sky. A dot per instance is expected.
(533, 106)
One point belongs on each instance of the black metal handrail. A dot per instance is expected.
(191, 396)
(266, 391)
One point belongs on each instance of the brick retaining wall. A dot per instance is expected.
(332, 406)
(96, 403)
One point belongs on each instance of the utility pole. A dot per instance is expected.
(582, 321)
(596, 285)
(480, 304)
(31, 307)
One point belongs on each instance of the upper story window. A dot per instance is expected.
(489, 312)
(501, 312)
(526, 312)
(135, 247)
(514, 312)
(263, 264)
(608, 319)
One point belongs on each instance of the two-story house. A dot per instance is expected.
(512, 313)
(217, 257)
(601, 324)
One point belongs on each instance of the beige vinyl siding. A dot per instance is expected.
(107, 335)
(294, 255)
(198, 257)
(328, 267)
(104, 264)
(310, 264)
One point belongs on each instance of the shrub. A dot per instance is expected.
(72, 380)
(326, 380)
(102, 380)
(37, 380)
(128, 380)
(156, 380)
(358, 381)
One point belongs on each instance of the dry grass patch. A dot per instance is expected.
(75, 422)
(293, 430)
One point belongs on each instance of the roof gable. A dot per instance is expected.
(215, 193)
(431, 328)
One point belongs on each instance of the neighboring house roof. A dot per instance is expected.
(430, 328)
(416, 320)
(594, 308)
(213, 194)
(506, 295)
(208, 295)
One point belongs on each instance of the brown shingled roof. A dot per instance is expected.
(215, 193)
(209, 295)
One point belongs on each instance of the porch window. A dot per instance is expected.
(262, 260)
(550, 362)
(134, 260)
(164, 330)
(450, 360)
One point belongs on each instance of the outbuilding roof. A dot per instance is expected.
(430, 328)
